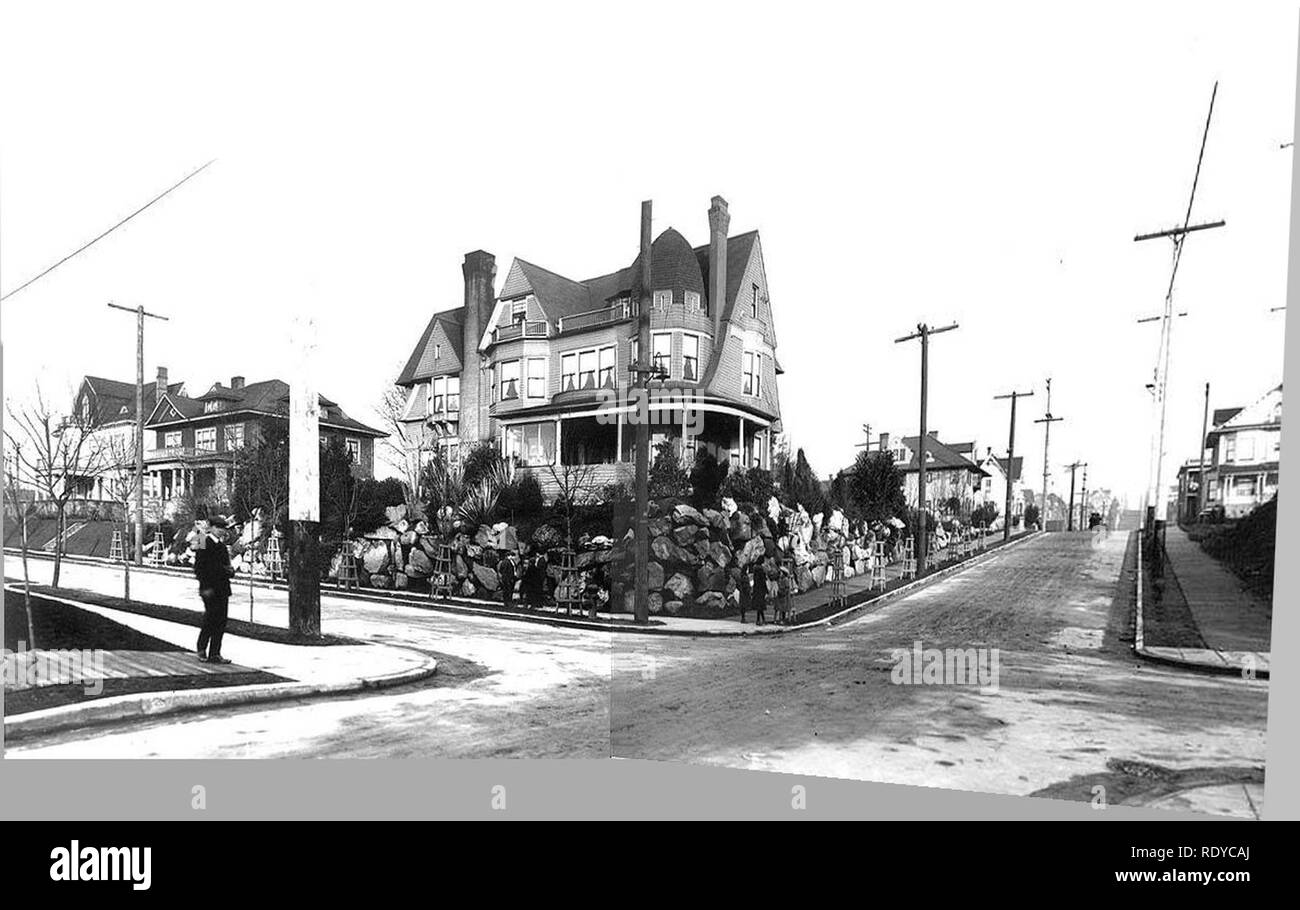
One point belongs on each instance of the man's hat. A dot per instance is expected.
(219, 521)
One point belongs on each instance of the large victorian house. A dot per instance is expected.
(542, 369)
(950, 475)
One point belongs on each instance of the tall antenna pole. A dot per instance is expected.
(140, 313)
(1011, 457)
(923, 332)
(1046, 420)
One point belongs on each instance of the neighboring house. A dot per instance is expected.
(993, 486)
(949, 474)
(1185, 504)
(192, 441)
(542, 368)
(107, 407)
(1244, 448)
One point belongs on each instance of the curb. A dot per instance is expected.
(1141, 650)
(156, 704)
(466, 607)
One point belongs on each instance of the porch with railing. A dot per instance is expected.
(593, 318)
(520, 330)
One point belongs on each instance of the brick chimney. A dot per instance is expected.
(236, 382)
(160, 384)
(719, 221)
(480, 270)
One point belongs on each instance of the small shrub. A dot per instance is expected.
(707, 477)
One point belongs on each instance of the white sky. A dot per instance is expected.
(969, 162)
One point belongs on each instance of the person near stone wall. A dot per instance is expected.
(758, 596)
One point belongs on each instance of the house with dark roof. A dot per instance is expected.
(190, 442)
(542, 368)
(107, 408)
(951, 477)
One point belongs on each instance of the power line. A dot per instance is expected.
(91, 243)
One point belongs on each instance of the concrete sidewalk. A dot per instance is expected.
(309, 669)
(1235, 624)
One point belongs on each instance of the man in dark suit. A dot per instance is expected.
(213, 569)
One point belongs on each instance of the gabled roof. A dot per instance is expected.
(1258, 413)
(417, 367)
(739, 249)
(1223, 415)
(1017, 467)
(271, 396)
(945, 457)
(556, 295)
(115, 400)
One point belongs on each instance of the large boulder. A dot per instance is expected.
(750, 552)
(487, 578)
(467, 588)
(672, 607)
(710, 578)
(720, 554)
(394, 514)
(656, 602)
(509, 539)
(680, 586)
(376, 557)
(687, 514)
(662, 548)
(658, 527)
(655, 571)
(712, 601)
(685, 534)
(381, 580)
(384, 533)
(419, 564)
(399, 580)
(819, 576)
(803, 578)
(728, 506)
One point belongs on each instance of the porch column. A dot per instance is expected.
(559, 451)
(618, 446)
(743, 454)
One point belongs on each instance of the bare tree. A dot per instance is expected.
(121, 480)
(576, 488)
(55, 455)
(401, 449)
(22, 509)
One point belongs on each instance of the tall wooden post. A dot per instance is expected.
(1046, 420)
(304, 486)
(1011, 458)
(923, 332)
(140, 313)
(641, 543)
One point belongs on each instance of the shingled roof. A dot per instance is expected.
(420, 363)
(270, 396)
(115, 400)
(945, 457)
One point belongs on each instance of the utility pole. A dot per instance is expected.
(1200, 448)
(304, 484)
(641, 543)
(923, 332)
(1178, 235)
(140, 314)
(1069, 523)
(1046, 420)
(1011, 457)
(1083, 504)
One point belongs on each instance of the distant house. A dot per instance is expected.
(191, 442)
(1186, 503)
(1244, 449)
(993, 486)
(950, 475)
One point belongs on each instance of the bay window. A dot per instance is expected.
(661, 351)
(751, 373)
(536, 377)
(530, 443)
(509, 380)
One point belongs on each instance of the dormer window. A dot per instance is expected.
(693, 304)
(662, 300)
(519, 310)
(210, 407)
(753, 304)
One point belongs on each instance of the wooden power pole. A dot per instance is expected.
(641, 543)
(1046, 420)
(1155, 496)
(923, 332)
(140, 314)
(1200, 448)
(1069, 522)
(304, 485)
(1011, 457)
